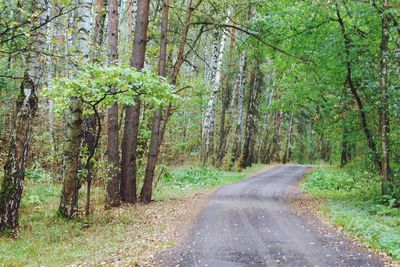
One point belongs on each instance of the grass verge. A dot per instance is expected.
(129, 235)
(353, 202)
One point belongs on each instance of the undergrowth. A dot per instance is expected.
(354, 202)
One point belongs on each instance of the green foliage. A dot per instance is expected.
(193, 176)
(353, 202)
(92, 85)
(37, 174)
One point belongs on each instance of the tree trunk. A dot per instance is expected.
(69, 195)
(345, 148)
(237, 143)
(14, 169)
(288, 141)
(385, 169)
(132, 114)
(353, 89)
(177, 67)
(225, 101)
(99, 22)
(276, 138)
(113, 184)
(210, 112)
(265, 135)
(254, 86)
(147, 189)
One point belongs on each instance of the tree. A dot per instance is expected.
(132, 114)
(384, 116)
(147, 189)
(69, 195)
(26, 107)
(113, 185)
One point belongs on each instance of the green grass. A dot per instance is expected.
(353, 201)
(183, 181)
(46, 240)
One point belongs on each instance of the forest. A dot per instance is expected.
(118, 116)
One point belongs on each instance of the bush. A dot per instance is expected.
(38, 175)
(193, 176)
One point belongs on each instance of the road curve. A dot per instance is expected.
(251, 223)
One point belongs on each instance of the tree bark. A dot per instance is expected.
(225, 101)
(208, 131)
(14, 169)
(237, 140)
(99, 22)
(254, 88)
(69, 195)
(132, 114)
(147, 189)
(113, 184)
(345, 148)
(385, 169)
(272, 151)
(286, 155)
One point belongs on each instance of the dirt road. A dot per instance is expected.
(251, 223)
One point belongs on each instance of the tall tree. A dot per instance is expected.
(26, 106)
(354, 90)
(240, 84)
(132, 114)
(113, 184)
(384, 116)
(69, 195)
(147, 189)
(254, 90)
(223, 130)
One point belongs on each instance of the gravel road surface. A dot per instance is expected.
(252, 223)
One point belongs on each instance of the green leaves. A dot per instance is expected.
(102, 86)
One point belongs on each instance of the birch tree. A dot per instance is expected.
(208, 129)
(26, 106)
(69, 195)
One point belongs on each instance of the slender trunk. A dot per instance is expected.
(288, 140)
(345, 148)
(177, 67)
(99, 23)
(210, 113)
(91, 125)
(385, 170)
(353, 89)
(237, 143)
(276, 138)
(254, 86)
(147, 189)
(225, 101)
(132, 114)
(265, 135)
(113, 184)
(214, 58)
(69, 195)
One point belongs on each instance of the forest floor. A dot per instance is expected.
(253, 222)
(127, 236)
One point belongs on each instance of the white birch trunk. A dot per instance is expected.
(14, 169)
(210, 113)
(69, 198)
(241, 89)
